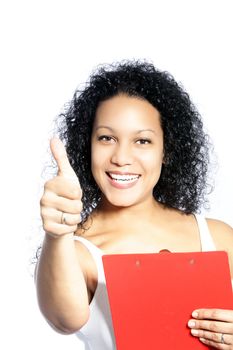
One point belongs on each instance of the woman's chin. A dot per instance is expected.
(119, 202)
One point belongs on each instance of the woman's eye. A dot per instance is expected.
(143, 141)
(105, 138)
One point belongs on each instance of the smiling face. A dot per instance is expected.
(127, 150)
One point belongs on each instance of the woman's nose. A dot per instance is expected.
(122, 155)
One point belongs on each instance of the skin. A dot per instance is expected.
(118, 146)
(127, 140)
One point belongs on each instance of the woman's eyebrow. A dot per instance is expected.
(143, 130)
(104, 127)
(112, 130)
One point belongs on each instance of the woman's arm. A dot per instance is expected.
(214, 327)
(61, 284)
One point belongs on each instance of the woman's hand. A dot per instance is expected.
(61, 282)
(213, 327)
(61, 203)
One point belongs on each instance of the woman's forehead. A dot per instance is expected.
(130, 112)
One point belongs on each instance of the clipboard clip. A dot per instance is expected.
(164, 251)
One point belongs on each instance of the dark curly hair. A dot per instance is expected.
(183, 178)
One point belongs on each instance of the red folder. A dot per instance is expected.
(152, 296)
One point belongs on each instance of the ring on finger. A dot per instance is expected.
(63, 218)
(222, 339)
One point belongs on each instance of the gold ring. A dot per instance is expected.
(63, 218)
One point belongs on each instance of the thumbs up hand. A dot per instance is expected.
(61, 203)
(59, 153)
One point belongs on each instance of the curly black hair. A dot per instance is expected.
(183, 178)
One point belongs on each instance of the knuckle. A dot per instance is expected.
(79, 206)
(50, 183)
(44, 202)
(79, 219)
(49, 227)
(215, 337)
(74, 220)
(80, 192)
(205, 334)
(215, 313)
(213, 326)
(74, 228)
(200, 333)
(47, 199)
(75, 207)
(43, 213)
(76, 192)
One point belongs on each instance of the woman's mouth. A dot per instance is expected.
(123, 180)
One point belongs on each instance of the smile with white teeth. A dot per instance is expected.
(123, 178)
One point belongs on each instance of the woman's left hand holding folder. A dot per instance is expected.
(213, 327)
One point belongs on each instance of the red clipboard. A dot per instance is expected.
(152, 296)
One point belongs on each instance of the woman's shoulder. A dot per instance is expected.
(220, 228)
(222, 234)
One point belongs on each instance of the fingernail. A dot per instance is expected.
(191, 324)
(203, 340)
(194, 331)
(195, 314)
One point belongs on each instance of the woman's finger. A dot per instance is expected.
(211, 325)
(214, 314)
(218, 345)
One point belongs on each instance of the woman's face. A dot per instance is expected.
(127, 150)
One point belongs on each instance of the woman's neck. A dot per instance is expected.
(140, 211)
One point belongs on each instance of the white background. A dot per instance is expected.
(47, 49)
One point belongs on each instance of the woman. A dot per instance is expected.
(133, 177)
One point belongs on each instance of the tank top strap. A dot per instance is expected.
(96, 254)
(207, 243)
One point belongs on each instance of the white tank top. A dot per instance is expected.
(97, 333)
